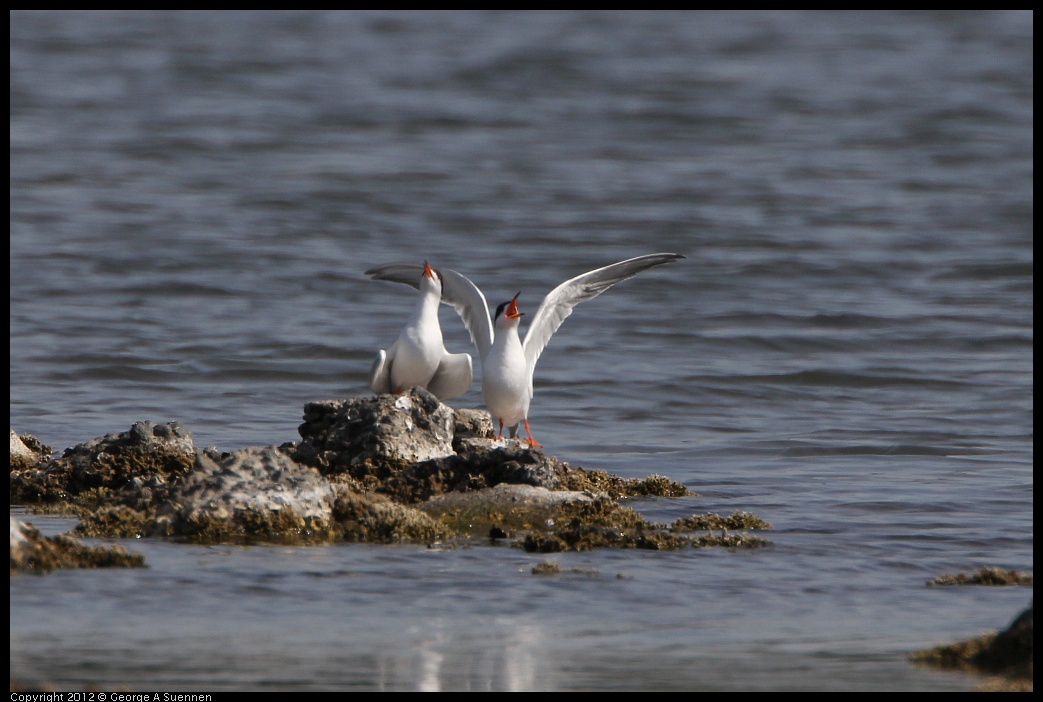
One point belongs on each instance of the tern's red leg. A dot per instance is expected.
(532, 440)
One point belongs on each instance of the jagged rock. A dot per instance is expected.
(387, 429)
(99, 471)
(27, 451)
(34, 553)
(254, 494)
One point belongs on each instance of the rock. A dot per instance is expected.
(509, 461)
(1007, 654)
(99, 471)
(380, 469)
(376, 519)
(254, 494)
(17, 537)
(385, 429)
(472, 423)
(1011, 650)
(27, 451)
(31, 552)
(503, 497)
(501, 509)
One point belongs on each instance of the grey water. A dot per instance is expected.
(845, 351)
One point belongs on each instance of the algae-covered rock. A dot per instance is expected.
(32, 552)
(501, 509)
(984, 576)
(376, 519)
(614, 486)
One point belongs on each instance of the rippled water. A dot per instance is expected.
(846, 351)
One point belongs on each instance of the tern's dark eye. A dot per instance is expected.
(500, 309)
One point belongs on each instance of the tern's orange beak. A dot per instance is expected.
(429, 271)
(512, 308)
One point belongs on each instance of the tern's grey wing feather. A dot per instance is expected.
(406, 273)
(559, 302)
(469, 302)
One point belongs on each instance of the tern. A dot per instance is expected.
(418, 356)
(508, 361)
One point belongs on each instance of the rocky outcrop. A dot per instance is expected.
(381, 469)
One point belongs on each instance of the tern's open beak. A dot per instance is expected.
(429, 271)
(512, 308)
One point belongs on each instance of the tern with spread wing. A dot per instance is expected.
(508, 361)
(418, 356)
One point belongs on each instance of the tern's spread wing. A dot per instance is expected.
(559, 302)
(457, 291)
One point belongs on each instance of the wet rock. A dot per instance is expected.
(256, 494)
(614, 486)
(32, 552)
(100, 471)
(27, 451)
